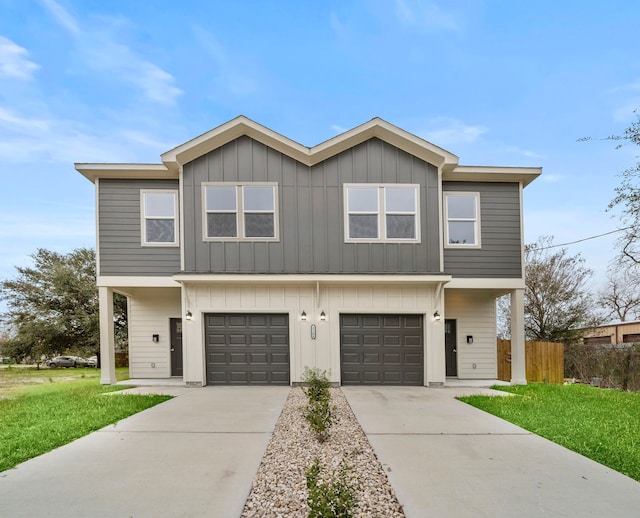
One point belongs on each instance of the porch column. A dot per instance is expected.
(518, 363)
(107, 337)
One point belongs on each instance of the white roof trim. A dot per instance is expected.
(309, 156)
(311, 278)
(142, 171)
(173, 159)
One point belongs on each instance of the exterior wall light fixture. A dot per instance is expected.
(188, 315)
(436, 316)
(323, 316)
(303, 316)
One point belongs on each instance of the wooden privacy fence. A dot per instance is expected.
(544, 361)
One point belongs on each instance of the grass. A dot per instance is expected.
(597, 423)
(38, 416)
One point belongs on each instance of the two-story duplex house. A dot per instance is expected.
(246, 257)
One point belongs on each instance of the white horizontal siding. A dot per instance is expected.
(149, 312)
(475, 315)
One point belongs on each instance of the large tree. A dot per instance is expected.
(557, 301)
(53, 305)
(627, 198)
(619, 300)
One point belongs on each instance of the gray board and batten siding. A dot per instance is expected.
(311, 211)
(119, 231)
(500, 254)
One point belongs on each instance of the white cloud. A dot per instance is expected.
(14, 62)
(27, 139)
(524, 152)
(62, 16)
(425, 14)
(102, 49)
(338, 129)
(230, 71)
(445, 131)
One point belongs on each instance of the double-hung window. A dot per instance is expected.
(387, 212)
(462, 219)
(240, 212)
(159, 221)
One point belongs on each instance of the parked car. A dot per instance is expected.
(80, 362)
(62, 361)
(92, 361)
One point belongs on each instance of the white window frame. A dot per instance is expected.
(240, 211)
(382, 213)
(475, 220)
(144, 218)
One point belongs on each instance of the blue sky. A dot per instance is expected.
(494, 82)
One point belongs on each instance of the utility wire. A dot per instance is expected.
(580, 240)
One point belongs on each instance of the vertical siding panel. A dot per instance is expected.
(289, 237)
(375, 151)
(360, 165)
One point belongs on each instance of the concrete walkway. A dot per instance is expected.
(447, 459)
(195, 455)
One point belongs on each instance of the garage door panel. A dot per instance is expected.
(371, 358)
(413, 359)
(279, 359)
(237, 358)
(413, 322)
(236, 321)
(381, 349)
(247, 349)
(371, 321)
(372, 377)
(389, 322)
(279, 339)
(391, 359)
(371, 339)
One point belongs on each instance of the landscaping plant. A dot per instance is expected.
(318, 412)
(333, 498)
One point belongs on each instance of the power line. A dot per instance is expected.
(580, 240)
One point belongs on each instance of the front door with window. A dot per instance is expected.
(450, 348)
(176, 346)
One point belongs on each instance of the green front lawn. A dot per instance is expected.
(601, 424)
(41, 410)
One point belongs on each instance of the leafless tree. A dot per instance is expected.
(620, 298)
(557, 300)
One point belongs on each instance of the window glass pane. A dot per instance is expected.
(400, 199)
(258, 225)
(363, 199)
(159, 205)
(221, 225)
(401, 227)
(220, 198)
(258, 198)
(461, 207)
(462, 233)
(160, 231)
(363, 226)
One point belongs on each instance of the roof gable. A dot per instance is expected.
(309, 156)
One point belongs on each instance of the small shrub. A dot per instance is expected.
(317, 384)
(318, 411)
(319, 416)
(333, 498)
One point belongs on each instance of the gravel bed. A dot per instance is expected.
(279, 488)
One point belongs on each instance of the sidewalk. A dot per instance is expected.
(195, 455)
(447, 459)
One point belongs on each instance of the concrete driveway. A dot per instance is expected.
(447, 459)
(195, 455)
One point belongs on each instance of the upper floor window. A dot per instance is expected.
(240, 211)
(159, 217)
(387, 212)
(462, 214)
